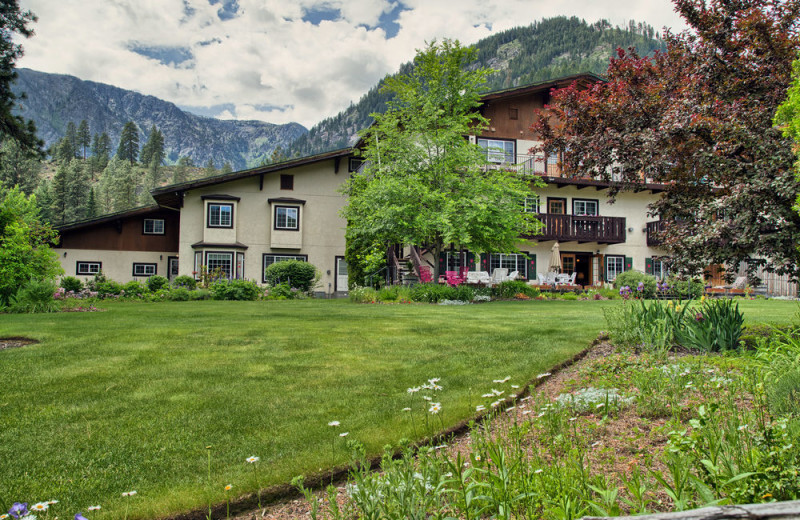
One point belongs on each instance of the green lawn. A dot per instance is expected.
(128, 399)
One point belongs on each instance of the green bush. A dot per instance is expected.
(632, 279)
(179, 294)
(569, 296)
(70, 283)
(394, 293)
(103, 286)
(185, 281)
(200, 294)
(156, 282)
(235, 290)
(134, 289)
(299, 275)
(685, 289)
(432, 293)
(363, 295)
(512, 288)
(715, 326)
(281, 291)
(35, 296)
(783, 394)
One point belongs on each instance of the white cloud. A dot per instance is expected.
(266, 55)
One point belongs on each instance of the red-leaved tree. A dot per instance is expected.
(698, 118)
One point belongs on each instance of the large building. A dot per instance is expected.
(242, 222)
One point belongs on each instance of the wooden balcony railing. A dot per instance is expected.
(571, 228)
(526, 165)
(653, 228)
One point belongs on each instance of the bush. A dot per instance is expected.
(510, 289)
(235, 290)
(715, 326)
(394, 293)
(200, 294)
(35, 296)
(185, 281)
(282, 291)
(632, 279)
(103, 286)
(432, 293)
(156, 282)
(134, 289)
(363, 295)
(685, 289)
(569, 296)
(70, 283)
(179, 294)
(299, 275)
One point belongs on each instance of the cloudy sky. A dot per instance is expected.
(275, 60)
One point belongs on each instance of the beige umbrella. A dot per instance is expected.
(555, 258)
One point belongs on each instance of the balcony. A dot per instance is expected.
(571, 228)
(653, 229)
(525, 164)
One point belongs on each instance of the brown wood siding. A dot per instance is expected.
(125, 234)
(498, 113)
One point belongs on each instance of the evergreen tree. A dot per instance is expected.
(128, 148)
(226, 168)
(153, 177)
(181, 171)
(210, 168)
(71, 137)
(64, 151)
(84, 138)
(101, 150)
(153, 149)
(91, 210)
(60, 194)
(77, 191)
(19, 166)
(44, 199)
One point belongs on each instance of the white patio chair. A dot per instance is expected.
(473, 277)
(542, 279)
(513, 275)
(500, 274)
(562, 279)
(484, 278)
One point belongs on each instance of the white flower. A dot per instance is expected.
(406, 409)
(525, 398)
(435, 408)
(515, 387)
(94, 508)
(600, 405)
(480, 408)
(413, 390)
(427, 398)
(541, 414)
(129, 493)
(597, 443)
(497, 392)
(541, 376)
(510, 408)
(742, 427)
(487, 395)
(434, 380)
(345, 434)
(436, 388)
(571, 419)
(40, 506)
(526, 412)
(501, 381)
(51, 502)
(333, 423)
(252, 459)
(439, 447)
(538, 471)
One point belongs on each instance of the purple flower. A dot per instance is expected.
(79, 516)
(18, 510)
(640, 287)
(699, 316)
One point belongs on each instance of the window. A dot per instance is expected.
(88, 267)
(154, 226)
(614, 266)
(353, 164)
(269, 259)
(498, 151)
(220, 215)
(513, 113)
(584, 207)
(455, 261)
(660, 270)
(287, 182)
(144, 269)
(532, 204)
(198, 264)
(513, 262)
(556, 206)
(287, 218)
(221, 261)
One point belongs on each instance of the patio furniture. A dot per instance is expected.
(499, 275)
(562, 279)
(513, 275)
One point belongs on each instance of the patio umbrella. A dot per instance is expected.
(555, 258)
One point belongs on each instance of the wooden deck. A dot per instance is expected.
(582, 229)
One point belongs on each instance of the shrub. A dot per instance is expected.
(363, 295)
(235, 290)
(200, 294)
(185, 281)
(685, 289)
(299, 275)
(569, 296)
(282, 291)
(156, 282)
(511, 288)
(632, 279)
(394, 293)
(103, 286)
(70, 283)
(713, 327)
(432, 293)
(134, 289)
(35, 296)
(179, 294)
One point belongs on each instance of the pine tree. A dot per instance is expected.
(77, 191)
(153, 177)
(91, 210)
(128, 148)
(19, 166)
(101, 150)
(60, 194)
(84, 138)
(181, 171)
(123, 189)
(153, 149)
(71, 138)
(44, 200)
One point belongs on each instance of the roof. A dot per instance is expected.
(170, 196)
(584, 78)
(111, 217)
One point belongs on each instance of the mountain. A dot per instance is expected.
(53, 100)
(551, 48)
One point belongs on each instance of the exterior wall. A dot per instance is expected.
(321, 233)
(116, 265)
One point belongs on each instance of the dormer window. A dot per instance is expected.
(220, 215)
(287, 218)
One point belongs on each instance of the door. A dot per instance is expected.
(172, 267)
(568, 263)
(341, 274)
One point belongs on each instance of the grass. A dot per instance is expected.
(129, 398)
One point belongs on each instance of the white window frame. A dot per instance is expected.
(660, 269)
(286, 225)
(143, 269)
(156, 226)
(220, 221)
(499, 151)
(510, 261)
(610, 268)
(90, 268)
(584, 211)
(230, 274)
(531, 204)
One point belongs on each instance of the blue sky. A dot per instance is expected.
(275, 60)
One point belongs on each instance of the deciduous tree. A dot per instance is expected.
(698, 118)
(424, 183)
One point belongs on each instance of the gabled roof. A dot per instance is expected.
(170, 196)
(583, 79)
(111, 217)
